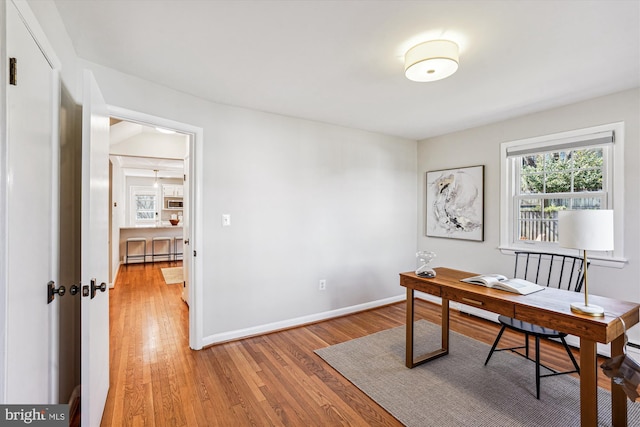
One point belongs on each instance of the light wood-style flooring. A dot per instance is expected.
(269, 380)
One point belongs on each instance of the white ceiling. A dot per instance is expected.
(341, 62)
(123, 130)
(145, 166)
(132, 165)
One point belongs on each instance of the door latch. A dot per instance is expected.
(95, 288)
(52, 291)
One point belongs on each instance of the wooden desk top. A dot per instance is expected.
(549, 307)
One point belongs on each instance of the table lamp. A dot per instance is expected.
(587, 230)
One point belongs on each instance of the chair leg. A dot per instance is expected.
(526, 345)
(573, 359)
(538, 368)
(495, 344)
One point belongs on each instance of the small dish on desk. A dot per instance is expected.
(430, 274)
(174, 221)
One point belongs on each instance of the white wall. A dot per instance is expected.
(481, 146)
(118, 217)
(308, 201)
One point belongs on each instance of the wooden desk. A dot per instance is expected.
(549, 308)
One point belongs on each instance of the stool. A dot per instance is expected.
(143, 255)
(153, 248)
(175, 248)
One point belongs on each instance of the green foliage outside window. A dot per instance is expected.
(562, 172)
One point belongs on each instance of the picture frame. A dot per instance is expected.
(455, 203)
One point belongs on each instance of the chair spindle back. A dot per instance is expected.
(551, 270)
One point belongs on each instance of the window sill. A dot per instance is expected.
(599, 260)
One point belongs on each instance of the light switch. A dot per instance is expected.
(226, 220)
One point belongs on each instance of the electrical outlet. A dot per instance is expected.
(226, 220)
(322, 285)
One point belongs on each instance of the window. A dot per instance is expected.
(571, 170)
(143, 205)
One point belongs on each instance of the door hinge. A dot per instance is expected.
(194, 253)
(13, 71)
(185, 177)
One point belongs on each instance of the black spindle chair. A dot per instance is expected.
(551, 270)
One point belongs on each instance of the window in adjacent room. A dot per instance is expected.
(143, 205)
(581, 169)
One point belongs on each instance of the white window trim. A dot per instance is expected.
(614, 175)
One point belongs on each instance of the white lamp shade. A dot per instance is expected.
(589, 230)
(431, 61)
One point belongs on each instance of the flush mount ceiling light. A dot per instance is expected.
(431, 61)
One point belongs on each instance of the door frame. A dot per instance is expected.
(194, 167)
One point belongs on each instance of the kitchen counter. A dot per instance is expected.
(156, 227)
(148, 233)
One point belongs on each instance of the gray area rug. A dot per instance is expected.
(457, 389)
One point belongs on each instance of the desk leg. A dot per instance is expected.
(618, 396)
(588, 384)
(445, 325)
(410, 362)
(409, 330)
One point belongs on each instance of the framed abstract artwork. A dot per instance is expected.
(455, 203)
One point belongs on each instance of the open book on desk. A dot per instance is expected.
(498, 281)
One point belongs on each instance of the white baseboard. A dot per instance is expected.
(298, 321)
(115, 276)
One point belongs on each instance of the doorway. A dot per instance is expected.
(147, 188)
(192, 216)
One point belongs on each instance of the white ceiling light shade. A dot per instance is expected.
(431, 61)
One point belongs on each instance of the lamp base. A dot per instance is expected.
(589, 310)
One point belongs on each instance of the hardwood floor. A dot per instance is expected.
(272, 380)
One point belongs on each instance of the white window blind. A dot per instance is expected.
(582, 141)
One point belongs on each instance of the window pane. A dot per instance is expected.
(532, 174)
(532, 183)
(145, 215)
(587, 203)
(557, 204)
(539, 219)
(558, 181)
(530, 211)
(145, 207)
(145, 202)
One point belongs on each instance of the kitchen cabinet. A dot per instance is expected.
(172, 197)
(172, 190)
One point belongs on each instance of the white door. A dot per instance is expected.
(186, 251)
(95, 253)
(28, 243)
